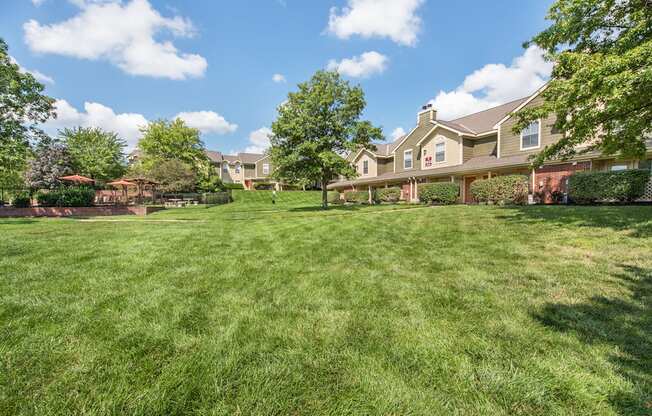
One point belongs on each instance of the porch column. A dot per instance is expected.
(489, 173)
(369, 188)
(416, 189)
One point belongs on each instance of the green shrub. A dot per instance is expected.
(591, 187)
(358, 197)
(21, 200)
(504, 190)
(334, 197)
(264, 186)
(444, 193)
(67, 197)
(388, 194)
(216, 198)
(233, 186)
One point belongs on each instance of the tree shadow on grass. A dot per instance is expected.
(624, 323)
(17, 221)
(637, 219)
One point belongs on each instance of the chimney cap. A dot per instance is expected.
(427, 106)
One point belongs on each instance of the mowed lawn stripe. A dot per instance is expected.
(534, 310)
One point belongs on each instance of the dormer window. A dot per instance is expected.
(265, 168)
(530, 136)
(440, 152)
(237, 168)
(365, 167)
(225, 167)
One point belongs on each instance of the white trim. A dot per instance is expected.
(411, 150)
(404, 139)
(523, 104)
(498, 145)
(524, 149)
(434, 155)
(461, 148)
(265, 173)
(264, 157)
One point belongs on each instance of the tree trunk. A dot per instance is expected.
(324, 194)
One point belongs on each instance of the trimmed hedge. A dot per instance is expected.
(21, 200)
(233, 186)
(444, 193)
(503, 190)
(388, 194)
(621, 186)
(358, 197)
(264, 186)
(334, 197)
(67, 197)
(216, 198)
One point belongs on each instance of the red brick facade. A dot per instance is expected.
(77, 211)
(552, 180)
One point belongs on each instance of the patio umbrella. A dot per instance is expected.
(77, 179)
(124, 184)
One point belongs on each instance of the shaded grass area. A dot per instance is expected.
(357, 310)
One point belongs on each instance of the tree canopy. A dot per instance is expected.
(174, 176)
(600, 91)
(94, 152)
(51, 161)
(22, 107)
(172, 140)
(316, 127)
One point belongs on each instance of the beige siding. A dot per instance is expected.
(249, 171)
(385, 165)
(468, 149)
(259, 167)
(485, 146)
(510, 142)
(452, 142)
(359, 161)
(410, 143)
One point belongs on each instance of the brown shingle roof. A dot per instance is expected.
(248, 158)
(483, 121)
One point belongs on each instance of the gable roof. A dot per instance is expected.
(484, 121)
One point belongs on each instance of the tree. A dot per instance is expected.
(601, 84)
(172, 140)
(174, 176)
(22, 108)
(51, 161)
(316, 126)
(95, 153)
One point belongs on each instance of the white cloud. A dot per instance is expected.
(398, 132)
(394, 19)
(123, 34)
(41, 77)
(126, 125)
(37, 2)
(259, 140)
(494, 84)
(207, 122)
(278, 78)
(362, 66)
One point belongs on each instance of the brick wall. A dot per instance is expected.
(554, 178)
(77, 211)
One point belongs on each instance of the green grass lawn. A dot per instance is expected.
(251, 308)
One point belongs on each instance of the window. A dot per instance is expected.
(407, 159)
(440, 152)
(428, 161)
(619, 166)
(265, 168)
(425, 152)
(225, 167)
(530, 136)
(365, 167)
(237, 168)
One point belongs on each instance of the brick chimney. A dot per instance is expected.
(427, 114)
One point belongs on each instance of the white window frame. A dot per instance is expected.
(225, 167)
(434, 160)
(365, 167)
(538, 138)
(265, 168)
(620, 167)
(237, 168)
(405, 152)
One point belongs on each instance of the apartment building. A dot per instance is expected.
(476, 146)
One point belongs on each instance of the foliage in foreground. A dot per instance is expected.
(22, 200)
(95, 153)
(390, 195)
(503, 190)
(357, 197)
(51, 161)
(592, 187)
(444, 193)
(602, 78)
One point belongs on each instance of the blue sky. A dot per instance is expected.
(119, 64)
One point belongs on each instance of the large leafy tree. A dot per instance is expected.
(22, 107)
(172, 140)
(175, 176)
(95, 153)
(316, 126)
(51, 160)
(601, 87)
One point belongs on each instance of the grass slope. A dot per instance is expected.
(254, 309)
